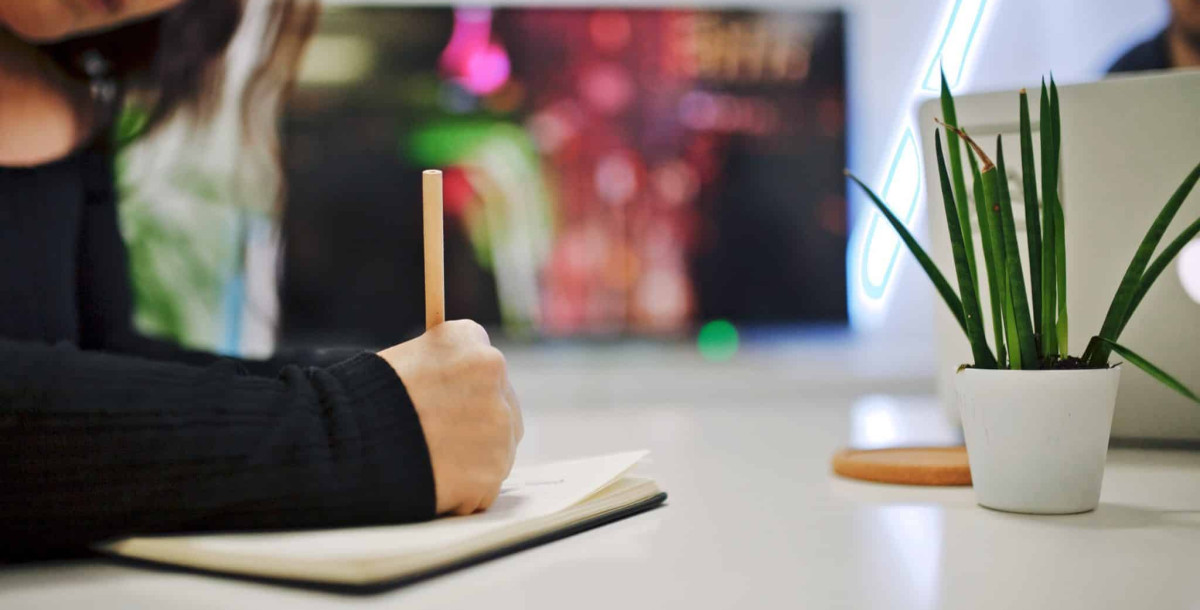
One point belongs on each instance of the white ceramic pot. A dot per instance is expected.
(1037, 440)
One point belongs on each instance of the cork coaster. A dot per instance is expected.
(905, 466)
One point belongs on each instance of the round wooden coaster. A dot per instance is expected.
(905, 466)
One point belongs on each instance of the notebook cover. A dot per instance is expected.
(388, 585)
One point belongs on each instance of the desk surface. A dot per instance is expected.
(755, 519)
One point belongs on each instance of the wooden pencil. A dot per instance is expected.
(435, 286)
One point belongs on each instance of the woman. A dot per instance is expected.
(104, 433)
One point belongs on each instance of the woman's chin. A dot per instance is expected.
(50, 21)
(36, 31)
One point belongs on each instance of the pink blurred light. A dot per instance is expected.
(555, 125)
(676, 183)
(486, 70)
(616, 178)
(471, 58)
(702, 111)
(698, 111)
(608, 88)
(663, 296)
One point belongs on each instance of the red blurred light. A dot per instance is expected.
(456, 191)
(610, 31)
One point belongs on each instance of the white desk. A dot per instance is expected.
(755, 520)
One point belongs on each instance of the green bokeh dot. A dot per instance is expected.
(718, 341)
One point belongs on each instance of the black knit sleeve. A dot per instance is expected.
(95, 446)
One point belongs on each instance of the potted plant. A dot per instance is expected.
(1036, 419)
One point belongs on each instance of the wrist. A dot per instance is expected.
(402, 472)
(398, 357)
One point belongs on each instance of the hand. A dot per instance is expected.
(459, 385)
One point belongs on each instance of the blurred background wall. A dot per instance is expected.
(609, 173)
(213, 289)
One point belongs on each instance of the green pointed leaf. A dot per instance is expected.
(1012, 258)
(1118, 310)
(960, 185)
(1049, 262)
(992, 255)
(1060, 227)
(966, 282)
(1033, 226)
(1159, 265)
(1160, 375)
(996, 225)
(1060, 277)
(1010, 317)
(931, 270)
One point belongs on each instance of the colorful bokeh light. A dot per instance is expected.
(471, 58)
(717, 341)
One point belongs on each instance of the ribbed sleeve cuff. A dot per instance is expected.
(399, 456)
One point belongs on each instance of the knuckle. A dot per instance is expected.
(492, 360)
(477, 327)
(474, 330)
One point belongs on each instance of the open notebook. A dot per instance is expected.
(537, 504)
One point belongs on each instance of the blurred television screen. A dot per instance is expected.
(615, 172)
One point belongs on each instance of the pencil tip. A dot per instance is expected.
(846, 171)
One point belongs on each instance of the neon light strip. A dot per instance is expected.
(902, 185)
(900, 191)
(956, 43)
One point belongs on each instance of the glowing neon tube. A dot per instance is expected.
(902, 182)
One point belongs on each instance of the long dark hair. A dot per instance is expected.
(174, 66)
(175, 60)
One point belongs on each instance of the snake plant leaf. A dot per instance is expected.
(939, 281)
(1020, 335)
(1159, 265)
(960, 185)
(992, 261)
(999, 230)
(1119, 311)
(1033, 226)
(1049, 344)
(966, 282)
(991, 201)
(1160, 375)
(1012, 258)
(1060, 226)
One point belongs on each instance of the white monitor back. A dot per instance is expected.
(1127, 143)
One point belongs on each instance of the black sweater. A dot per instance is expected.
(105, 433)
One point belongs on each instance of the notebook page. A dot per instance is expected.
(529, 492)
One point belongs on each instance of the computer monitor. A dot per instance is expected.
(608, 172)
(1127, 143)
